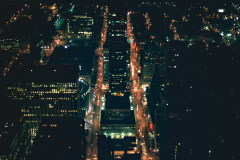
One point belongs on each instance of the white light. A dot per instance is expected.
(221, 10)
(144, 89)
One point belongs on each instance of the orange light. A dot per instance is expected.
(118, 153)
(130, 152)
(151, 126)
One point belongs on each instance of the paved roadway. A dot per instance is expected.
(97, 93)
(143, 119)
(139, 100)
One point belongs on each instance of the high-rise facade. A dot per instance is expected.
(148, 57)
(119, 52)
(106, 67)
(45, 91)
(80, 26)
(9, 44)
(117, 118)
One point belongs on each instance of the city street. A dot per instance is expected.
(93, 116)
(141, 112)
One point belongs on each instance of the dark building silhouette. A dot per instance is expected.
(105, 148)
(132, 157)
(60, 138)
(45, 91)
(119, 51)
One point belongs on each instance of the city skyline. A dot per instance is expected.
(106, 80)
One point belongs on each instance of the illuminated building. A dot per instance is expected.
(119, 53)
(147, 3)
(9, 44)
(118, 123)
(117, 118)
(117, 148)
(150, 4)
(81, 57)
(60, 138)
(15, 139)
(148, 57)
(80, 27)
(125, 147)
(106, 67)
(45, 91)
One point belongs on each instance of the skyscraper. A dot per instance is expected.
(85, 31)
(117, 118)
(119, 52)
(45, 91)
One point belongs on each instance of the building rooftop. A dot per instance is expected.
(43, 73)
(117, 117)
(117, 102)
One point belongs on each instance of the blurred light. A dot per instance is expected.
(221, 10)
